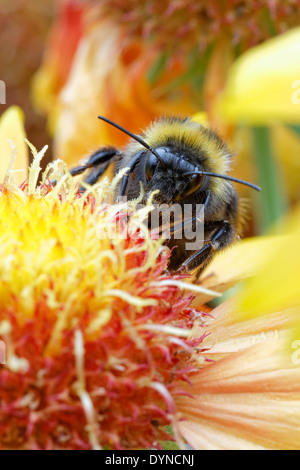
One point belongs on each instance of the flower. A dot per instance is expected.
(262, 86)
(96, 333)
(262, 93)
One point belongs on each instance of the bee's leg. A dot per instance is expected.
(220, 237)
(97, 158)
(198, 216)
(95, 174)
(131, 166)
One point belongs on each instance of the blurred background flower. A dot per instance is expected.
(261, 92)
(24, 29)
(12, 135)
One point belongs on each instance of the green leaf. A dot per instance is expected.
(157, 68)
(296, 129)
(272, 199)
(169, 445)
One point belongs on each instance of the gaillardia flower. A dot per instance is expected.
(97, 336)
(105, 349)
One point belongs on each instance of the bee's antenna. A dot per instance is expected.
(225, 177)
(135, 137)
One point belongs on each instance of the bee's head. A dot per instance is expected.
(180, 158)
(178, 178)
(167, 175)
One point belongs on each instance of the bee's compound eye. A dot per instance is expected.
(151, 165)
(193, 185)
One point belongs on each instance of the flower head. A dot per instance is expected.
(96, 334)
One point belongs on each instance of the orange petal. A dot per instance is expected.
(249, 399)
(228, 333)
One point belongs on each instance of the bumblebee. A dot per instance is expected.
(188, 164)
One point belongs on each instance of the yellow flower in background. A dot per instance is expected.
(277, 285)
(263, 85)
(104, 348)
(269, 268)
(261, 93)
(12, 134)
